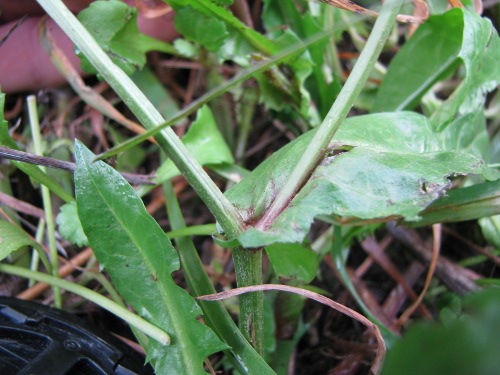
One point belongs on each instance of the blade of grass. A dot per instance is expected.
(339, 258)
(35, 257)
(257, 40)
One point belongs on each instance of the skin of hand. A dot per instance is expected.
(24, 64)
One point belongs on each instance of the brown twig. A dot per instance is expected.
(397, 297)
(26, 157)
(353, 7)
(492, 257)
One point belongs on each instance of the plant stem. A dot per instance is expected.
(35, 257)
(47, 203)
(248, 269)
(142, 108)
(246, 360)
(131, 318)
(338, 112)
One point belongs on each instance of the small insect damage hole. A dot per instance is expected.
(432, 188)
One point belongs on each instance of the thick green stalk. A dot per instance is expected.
(142, 108)
(248, 263)
(315, 150)
(248, 269)
(131, 318)
(246, 359)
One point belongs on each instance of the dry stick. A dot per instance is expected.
(26, 157)
(355, 8)
(436, 246)
(456, 3)
(377, 363)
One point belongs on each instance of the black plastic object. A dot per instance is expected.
(38, 340)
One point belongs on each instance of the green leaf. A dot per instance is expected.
(277, 90)
(468, 133)
(69, 224)
(465, 346)
(434, 50)
(215, 11)
(3, 123)
(204, 141)
(13, 238)
(140, 259)
(207, 31)
(461, 116)
(114, 26)
(293, 261)
(397, 166)
(224, 2)
(480, 49)
(430, 53)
